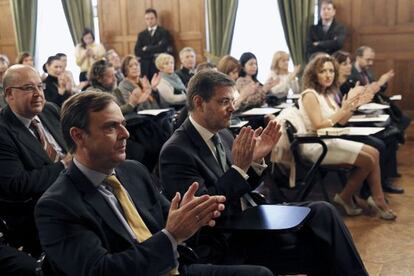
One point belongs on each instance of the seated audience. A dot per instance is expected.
(172, 90)
(58, 86)
(361, 71)
(87, 52)
(203, 150)
(132, 83)
(32, 150)
(279, 72)
(102, 79)
(188, 64)
(113, 57)
(320, 110)
(24, 58)
(231, 67)
(105, 211)
(328, 35)
(387, 146)
(75, 88)
(248, 76)
(4, 64)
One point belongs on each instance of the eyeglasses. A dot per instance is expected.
(29, 88)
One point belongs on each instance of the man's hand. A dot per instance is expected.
(243, 148)
(187, 217)
(266, 140)
(386, 77)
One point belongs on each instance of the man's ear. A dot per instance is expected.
(198, 102)
(77, 135)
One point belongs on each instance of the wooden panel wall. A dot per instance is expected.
(388, 27)
(121, 21)
(7, 34)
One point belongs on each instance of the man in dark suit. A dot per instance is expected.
(104, 210)
(202, 150)
(328, 35)
(188, 64)
(32, 150)
(152, 42)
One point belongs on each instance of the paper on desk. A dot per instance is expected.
(396, 98)
(338, 131)
(153, 112)
(373, 106)
(365, 118)
(261, 111)
(364, 130)
(239, 124)
(284, 105)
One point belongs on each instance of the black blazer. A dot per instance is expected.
(52, 93)
(82, 236)
(25, 168)
(186, 158)
(159, 43)
(330, 42)
(357, 76)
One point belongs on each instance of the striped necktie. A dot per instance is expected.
(41, 136)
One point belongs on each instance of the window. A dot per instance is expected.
(259, 30)
(53, 35)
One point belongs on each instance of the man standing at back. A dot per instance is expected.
(151, 42)
(328, 35)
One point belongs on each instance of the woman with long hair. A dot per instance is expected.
(320, 110)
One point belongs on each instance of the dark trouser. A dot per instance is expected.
(148, 68)
(13, 262)
(225, 270)
(323, 246)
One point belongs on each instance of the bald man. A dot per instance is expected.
(32, 149)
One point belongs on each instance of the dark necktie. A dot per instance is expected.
(41, 136)
(220, 153)
(365, 78)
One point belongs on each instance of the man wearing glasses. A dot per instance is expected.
(32, 149)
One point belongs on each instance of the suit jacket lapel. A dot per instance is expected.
(23, 135)
(204, 151)
(143, 210)
(92, 196)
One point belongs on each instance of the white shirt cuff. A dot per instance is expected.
(259, 167)
(241, 172)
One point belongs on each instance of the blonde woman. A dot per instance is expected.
(172, 90)
(285, 80)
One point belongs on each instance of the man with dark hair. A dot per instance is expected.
(151, 42)
(32, 151)
(203, 150)
(105, 211)
(328, 35)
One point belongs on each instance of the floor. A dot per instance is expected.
(387, 248)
